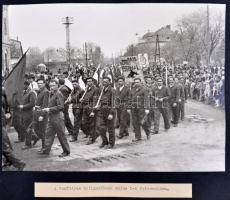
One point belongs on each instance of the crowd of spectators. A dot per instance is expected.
(205, 84)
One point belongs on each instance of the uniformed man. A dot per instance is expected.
(40, 118)
(139, 109)
(174, 102)
(26, 109)
(161, 95)
(183, 98)
(88, 122)
(121, 100)
(105, 113)
(66, 92)
(149, 87)
(55, 121)
(7, 149)
(77, 109)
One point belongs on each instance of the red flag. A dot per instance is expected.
(14, 83)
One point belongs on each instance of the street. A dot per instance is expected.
(197, 144)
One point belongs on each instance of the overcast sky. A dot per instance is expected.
(111, 26)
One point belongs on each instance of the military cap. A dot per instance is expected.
(89, 78)
(75, 81)
(148, 76)
(106, 77)
(121, 77)
(159, 78)
(137, 78)
(41, 78)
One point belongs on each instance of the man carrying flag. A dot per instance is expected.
(14, 85)
(13, 90)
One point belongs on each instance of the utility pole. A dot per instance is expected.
(86, 58)
(157, 51)
(67, 21)
(208, 39)
(132, 50)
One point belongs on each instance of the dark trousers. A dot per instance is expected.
(88, 124)
(40, 128)
(103, 125)
(181, 110)
(7, 150)
(137, 118)
(17, 123)
(174, 113)
(157, 114)
(27, 121)
(77, 112)
(56, 127)
(123, 118)
(68, 123)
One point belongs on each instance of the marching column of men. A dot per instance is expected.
(45, 113)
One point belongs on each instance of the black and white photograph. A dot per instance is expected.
(113, 87)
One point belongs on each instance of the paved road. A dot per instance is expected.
(197, 144)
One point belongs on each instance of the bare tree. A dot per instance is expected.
(34, 58)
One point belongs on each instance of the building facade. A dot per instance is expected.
(6, 65)
(16, 52)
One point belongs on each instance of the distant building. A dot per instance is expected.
(6, 67)
(165, 34)
(16, 51)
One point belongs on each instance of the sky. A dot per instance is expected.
(111, 26)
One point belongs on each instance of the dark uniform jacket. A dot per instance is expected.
(28, 102)
(182, 92)
(174, 94)
(56, 105)
(65, 91)
(76, 96)
(89, 97)
(107, 99)
(42, 98)
(139, 98)
(122, 97)
(162, 92)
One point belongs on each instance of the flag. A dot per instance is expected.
(81, 83)
(68, 84)
(14, 83)
(111, 76)
(96, 75)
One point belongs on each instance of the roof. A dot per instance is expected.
(164, 34)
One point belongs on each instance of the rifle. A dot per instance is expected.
(98, 101)
(83, 94)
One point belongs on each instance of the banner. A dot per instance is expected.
(129, 63)
(143, 61)
(14, 83)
